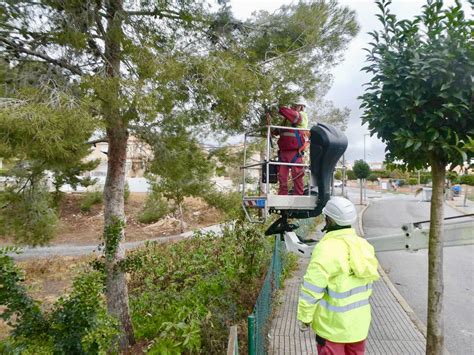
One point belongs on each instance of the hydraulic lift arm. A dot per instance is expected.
(413, 236)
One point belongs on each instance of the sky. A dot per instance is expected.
(348, 78)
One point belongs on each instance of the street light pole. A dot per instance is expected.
(365, 161)
(365, 135)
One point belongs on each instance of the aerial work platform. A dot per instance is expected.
(326, 146)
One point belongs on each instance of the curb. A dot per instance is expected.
(457, 208)
(406, 307)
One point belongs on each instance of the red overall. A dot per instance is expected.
(290, 143)
(330, 348)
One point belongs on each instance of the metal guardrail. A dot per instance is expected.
(258, 321)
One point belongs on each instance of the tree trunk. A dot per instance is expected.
(181, 216)
(435, 331)
(114, 213)
(360, 191)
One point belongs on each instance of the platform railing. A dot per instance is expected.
(265, 164)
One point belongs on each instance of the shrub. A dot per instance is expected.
(29, 216)
(350, 175)
(467, 179)
(230, 203)
(381, 173)
(373, 177)
(412, 181)
(126, 192)
(89, 199)
(155, 208)
(183, 296)
(425, 178)
(78, 323)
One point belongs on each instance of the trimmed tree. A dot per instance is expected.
(419, 102)
(361, 171)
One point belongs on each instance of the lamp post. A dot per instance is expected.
(365, 135)
(365, 161)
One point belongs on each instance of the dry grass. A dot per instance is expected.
(48, 279)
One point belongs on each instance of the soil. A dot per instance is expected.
(85, 228)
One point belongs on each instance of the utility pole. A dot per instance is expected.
(343, 174)
(365, 161)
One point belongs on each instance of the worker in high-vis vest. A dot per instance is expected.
(292, 144)
(334, 297)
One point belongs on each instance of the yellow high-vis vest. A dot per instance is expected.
(337, 286)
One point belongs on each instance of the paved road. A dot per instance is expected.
(408, 271)
(77, 250)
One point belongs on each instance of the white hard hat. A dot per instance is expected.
(341, 211)
(300, 101)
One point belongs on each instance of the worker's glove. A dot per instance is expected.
(303, 326)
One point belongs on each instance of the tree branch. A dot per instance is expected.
(20, 49)
(98, 140)
(156, 12)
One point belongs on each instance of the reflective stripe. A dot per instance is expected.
(288, 134)
(340, 309)
(313, 288)
(349, 293)
(308, 298)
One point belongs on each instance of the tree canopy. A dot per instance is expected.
(419, 100)
(361, 169)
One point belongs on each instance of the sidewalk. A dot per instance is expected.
(458, 204)
(393, 330)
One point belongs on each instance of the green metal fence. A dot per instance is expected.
(258, 321)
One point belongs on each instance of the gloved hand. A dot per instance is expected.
(303, 326)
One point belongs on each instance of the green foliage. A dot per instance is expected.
(20, 310)
(89, 199)
(77, 324)
(419, 100)
(113, 233)
(228, 202)
(155, 208)
(361, 169)
(338, 174)
(467, 179)
(350, 175)
(81, 318)
(27, 213)
(381, 173)
(181, 169)
(126, 192)
(325, 112)
(412, 181)
(185, 295)
(452, 176)
(373, 177)
(48, 130)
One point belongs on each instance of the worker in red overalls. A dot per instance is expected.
(291, 145)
